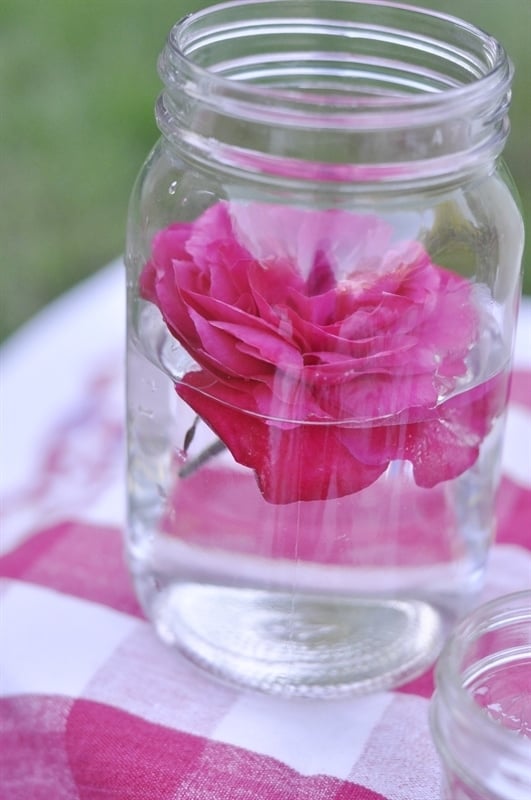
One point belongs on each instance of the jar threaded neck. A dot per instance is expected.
(369, 91)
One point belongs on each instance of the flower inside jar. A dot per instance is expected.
(316, 333)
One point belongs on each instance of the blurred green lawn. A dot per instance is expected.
(78, 83)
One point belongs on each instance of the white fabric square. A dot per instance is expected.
(155, 682)
(400, 761)
(52, 643)
(314, 737)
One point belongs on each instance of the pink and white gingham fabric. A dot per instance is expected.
(92, 704)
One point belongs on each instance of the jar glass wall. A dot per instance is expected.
(323, 277)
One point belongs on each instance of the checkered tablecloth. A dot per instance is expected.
(93, 705)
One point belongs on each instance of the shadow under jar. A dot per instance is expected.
(323, 260)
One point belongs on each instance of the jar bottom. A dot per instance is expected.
(306, 646)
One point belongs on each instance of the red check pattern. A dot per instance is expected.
(93, 705)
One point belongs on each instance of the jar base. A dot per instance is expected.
(309, 646)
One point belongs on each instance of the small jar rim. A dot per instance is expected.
(488, 617)
(496, 77)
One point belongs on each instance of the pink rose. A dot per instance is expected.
(323, 348)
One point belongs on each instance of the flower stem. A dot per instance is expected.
(209, 452)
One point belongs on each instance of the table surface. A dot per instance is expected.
(92, 704)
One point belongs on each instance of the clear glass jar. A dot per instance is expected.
(481, 710)
(323, 262)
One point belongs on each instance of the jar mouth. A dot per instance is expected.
(354, 92)
(341, 62)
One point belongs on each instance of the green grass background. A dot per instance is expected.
(78, 83)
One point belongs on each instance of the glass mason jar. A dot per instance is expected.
(481, 710)
(323, 264)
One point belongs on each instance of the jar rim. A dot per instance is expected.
(490, 75)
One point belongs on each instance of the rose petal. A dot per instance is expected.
(218, 348)
(346, 241)
(442, 445)
(303, 462)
